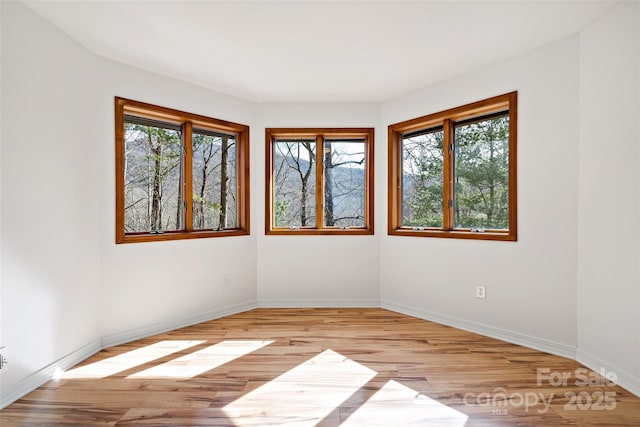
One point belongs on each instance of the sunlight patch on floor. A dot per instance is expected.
(201, 361)
(397, 404)
(131, 359)
(304, 395)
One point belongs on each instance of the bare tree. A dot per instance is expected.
(224, 178)
(208, 153)
(302, 166)
(335, 159)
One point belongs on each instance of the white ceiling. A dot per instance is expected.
(322, 51)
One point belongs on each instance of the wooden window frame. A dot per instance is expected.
(320, 135)
(187, 121)
(447, 119)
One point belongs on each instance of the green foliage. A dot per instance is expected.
(281, 211)
(152, 177)
(423, 180)
(481, 176)
(213, 206)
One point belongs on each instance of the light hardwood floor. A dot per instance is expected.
(306, 367)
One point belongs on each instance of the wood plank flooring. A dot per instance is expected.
(325, 367)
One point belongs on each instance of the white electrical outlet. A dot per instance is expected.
(4, 365)
(481, 292)
(226, 281)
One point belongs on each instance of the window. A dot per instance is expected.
(453, 173)
(319, 181)
(179, 175)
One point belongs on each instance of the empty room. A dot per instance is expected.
(254, 213)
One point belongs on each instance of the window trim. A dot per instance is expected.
(320, 135)
(187, 122)
(447, 119)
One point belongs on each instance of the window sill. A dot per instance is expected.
(319, 232)
(455, 234)
(179, 235)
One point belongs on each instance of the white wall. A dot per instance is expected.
(531, 284)
(315, 270)
(153, 286)
(67, 288)
(50, 227)
(609, 197)
(1, 134)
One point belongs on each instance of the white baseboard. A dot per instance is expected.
(518, 338)
(624, 379)
(159, 328)
(35, 380)
(322, 303)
